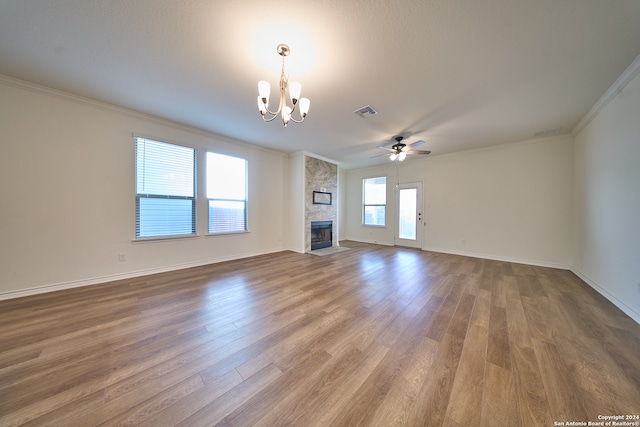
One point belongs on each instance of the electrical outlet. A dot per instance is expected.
(122, 257)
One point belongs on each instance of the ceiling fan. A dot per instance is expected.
(399, 150)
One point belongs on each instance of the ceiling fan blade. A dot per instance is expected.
(380, 155)
(417, 143)
(386, 148)
(418, 152)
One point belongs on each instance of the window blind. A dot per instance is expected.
(165, 189)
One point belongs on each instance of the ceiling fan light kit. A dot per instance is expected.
(294, 89)
(399, 150)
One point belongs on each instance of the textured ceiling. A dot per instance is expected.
(458, 74)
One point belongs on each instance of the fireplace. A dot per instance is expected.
(321, 234)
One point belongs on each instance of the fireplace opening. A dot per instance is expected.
(321, 234)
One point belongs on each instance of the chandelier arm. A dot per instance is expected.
(282, 101)
(275, 113)
(296, 121)
(269, 119)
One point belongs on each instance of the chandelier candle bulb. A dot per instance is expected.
(304, 106)
(286, 115)
(264, 89)
(294, 91)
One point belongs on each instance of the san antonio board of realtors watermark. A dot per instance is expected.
(604, 421)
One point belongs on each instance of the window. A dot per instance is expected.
(227, 193)
(165, 189)
(374, 196)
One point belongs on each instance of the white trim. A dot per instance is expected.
(298, 251)
(501, 258)
(226, 233)
(165, 238)
(68, 96)
(609, 296)
(113, 277)
(315, 156)
(617, 86)
(370, 241)
(505, 145)
(500, 146)
(474, 255)
(601, 290)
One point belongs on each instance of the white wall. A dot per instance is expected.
(511, 202)
(295, 208)
(68, 198)
(342, 204)
(606, 244)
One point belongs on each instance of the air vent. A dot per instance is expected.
(366, 111)
(547, 132)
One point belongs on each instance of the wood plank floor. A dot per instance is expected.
(372, 336)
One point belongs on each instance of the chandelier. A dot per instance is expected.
(264, 89)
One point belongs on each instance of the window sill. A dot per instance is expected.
(165, 238)
(226, 233)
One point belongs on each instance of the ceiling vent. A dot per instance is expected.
(547, 132)
(366, 111)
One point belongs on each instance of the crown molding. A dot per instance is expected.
(617, 86)
(71, 97)
(315, 156)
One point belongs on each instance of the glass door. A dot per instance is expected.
(409, 218)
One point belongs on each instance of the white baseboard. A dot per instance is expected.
(373, 242)
(476, 255)
(613, 299)
(501, 258)
(298, 251)
(128, 275)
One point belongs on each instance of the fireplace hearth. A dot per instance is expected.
(321, 234)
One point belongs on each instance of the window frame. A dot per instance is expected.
(365, 204)
(141, 195)
(245, 200)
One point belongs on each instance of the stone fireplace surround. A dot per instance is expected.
(320, 175)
